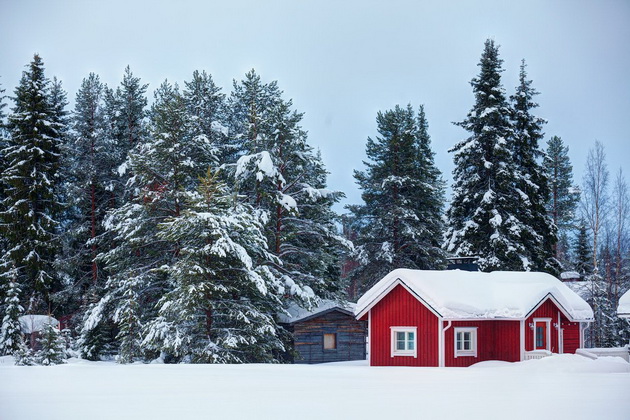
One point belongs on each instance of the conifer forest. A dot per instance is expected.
(180, 222)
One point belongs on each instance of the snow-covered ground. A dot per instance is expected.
(559, 387)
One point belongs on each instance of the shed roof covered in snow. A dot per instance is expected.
(624, 305)
(297, 313)
(456, 294)
(35, 323)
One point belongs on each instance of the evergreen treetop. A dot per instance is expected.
(399, 225)
(482, 218)
(30, 208)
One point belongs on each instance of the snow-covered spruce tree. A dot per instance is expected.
(30, 208)
(564, 195)
(3, 145)
(222, 306)
(280, 175)
(540, 238)
(125, 126)
(90, 162)
(11, 340)
(164, 168)
(400, 223)
(583, 254)
(482, 218)
(53, 346)
(206, 109)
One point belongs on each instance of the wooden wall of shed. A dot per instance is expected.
(309, 338)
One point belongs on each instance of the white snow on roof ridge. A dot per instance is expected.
(297, 313)
(35, 323)
(624, 305)
(457, 294)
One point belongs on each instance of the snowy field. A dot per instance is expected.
(560, 387)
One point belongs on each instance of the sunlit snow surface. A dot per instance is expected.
(559, 387)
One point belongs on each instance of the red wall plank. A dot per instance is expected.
(496, 340)
(400, 309)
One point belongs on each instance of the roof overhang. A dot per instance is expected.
(386, 291)
(321, 313)
(550, 296)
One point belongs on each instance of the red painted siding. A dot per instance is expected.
(570, 335)
(400, 309)
(496, 340)
(571, 330)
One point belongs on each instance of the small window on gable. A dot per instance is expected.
(404, 341)
(466, 342)
(330, 341)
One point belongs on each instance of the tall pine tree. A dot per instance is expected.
(532, 183)
(30, 208)
(284, 179)
(564, 196)
(400, 223)
(483, 218)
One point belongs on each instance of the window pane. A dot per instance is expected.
(410, 345)
(459, 345)
(400, 336)
(466, 345)
(330, 342)
(400, 345)
(410, 336)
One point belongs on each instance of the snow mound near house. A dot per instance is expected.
(624, 305)
(456, 294)
(566, 363)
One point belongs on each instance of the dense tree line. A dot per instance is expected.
(182, 229)
(179, 230)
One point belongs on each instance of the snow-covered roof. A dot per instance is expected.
(297, 313)
(457, 294)
(570, 275)
(624, 305)
(35, 323)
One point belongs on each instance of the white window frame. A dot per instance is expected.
(405, 352)
(473, 345)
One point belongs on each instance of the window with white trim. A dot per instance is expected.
(466, 341)
(404, 341)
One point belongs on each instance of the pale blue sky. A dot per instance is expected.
(342, 61)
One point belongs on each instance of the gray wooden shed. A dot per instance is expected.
(328, 333)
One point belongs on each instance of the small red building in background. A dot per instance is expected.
(458, 318)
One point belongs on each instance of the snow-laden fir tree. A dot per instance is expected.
(582, 252)
(29, 210)
(532, 184)
(52, 346)
(483, 216)
(400, 223)
(206, 108)
(222, 306)
(11, 339)
(90, 161)
(283, 177)
(564, 195)
(164, 168)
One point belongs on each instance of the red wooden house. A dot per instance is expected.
(458, 318)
